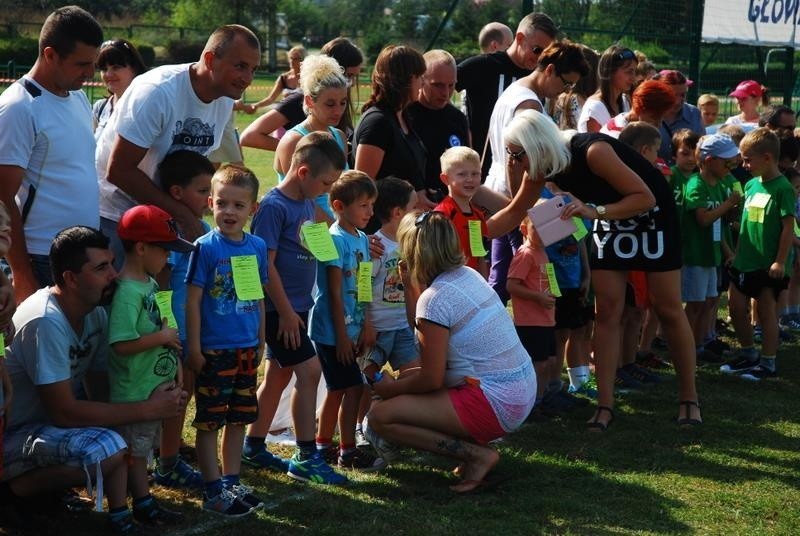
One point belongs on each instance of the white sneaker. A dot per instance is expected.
(285, 437)
(385, 450)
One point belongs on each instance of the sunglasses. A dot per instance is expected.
(515, 155)
(422, 218)
(626, 54)
(116, 43)
(569, 86)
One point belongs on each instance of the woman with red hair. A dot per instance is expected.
(651, 100)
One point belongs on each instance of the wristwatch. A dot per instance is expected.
(601, 210)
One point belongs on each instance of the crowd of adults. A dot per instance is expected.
(69, 170)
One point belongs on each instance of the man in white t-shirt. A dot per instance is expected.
(56, 439)
(167, 109)
(47, 175)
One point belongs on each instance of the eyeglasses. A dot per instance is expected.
(626, 54)
(515, 155)
(422, 218)
(567, 85)
(116, 43)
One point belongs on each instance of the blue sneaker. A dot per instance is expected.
(264, 459)
(181, 476)
(314, 469)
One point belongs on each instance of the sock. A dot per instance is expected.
(166, 463)
(307, 449)
(143, 502)
(578, 376)
(213, 488)
(228, 481)
(768, 362)
(323, 442)
(253, 444)
(360, 428)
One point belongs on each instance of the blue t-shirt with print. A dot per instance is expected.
(352, 249)
(177, 283)
(225, 320)
(278, 221)
(565, 256)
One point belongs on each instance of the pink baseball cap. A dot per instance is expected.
(748, 88)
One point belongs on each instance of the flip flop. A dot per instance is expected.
(688, 422)
(595, 425)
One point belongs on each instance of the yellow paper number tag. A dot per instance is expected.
(757, 206)
(2, 345)
(476, 239)
(319, 242)
(796, 229)
(364, 281)
(551, 279)
(580, 228)
(246, 279)
(164, 302)
(737, 187)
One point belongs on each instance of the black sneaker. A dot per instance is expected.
(706, 356)
(245, 494)
(361, 460)
(154, 515)
(717, 346)
(625, 383)
(758, 373)
(642, 374)
(740, 364)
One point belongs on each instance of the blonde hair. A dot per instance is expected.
(318, 73)
(459, 155)
(547, 150)
(761, 141)
(297, 48)
(707, 98)
(734, 131)
(236, 175)
(439, 57)
(430, 247)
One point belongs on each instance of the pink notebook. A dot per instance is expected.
(546, 217)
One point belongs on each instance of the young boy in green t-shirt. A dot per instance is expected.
(706, 200)
(143, 346)
(764, 254)
(684, 144)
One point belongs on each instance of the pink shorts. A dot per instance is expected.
(475, 413)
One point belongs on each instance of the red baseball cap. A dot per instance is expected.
(150, 224)
(748, 88)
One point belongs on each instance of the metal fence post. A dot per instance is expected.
(696, 31)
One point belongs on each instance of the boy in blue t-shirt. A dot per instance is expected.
(143, 347)
(186, 177)
(225, 336)
(339, 325)
(316, 164)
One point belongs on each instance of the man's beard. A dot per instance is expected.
(108, 293)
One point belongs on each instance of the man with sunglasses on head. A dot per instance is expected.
(171, 108)
(486, 76)
(47, 174)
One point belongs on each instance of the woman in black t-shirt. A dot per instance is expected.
(635, 228)
(384, 142)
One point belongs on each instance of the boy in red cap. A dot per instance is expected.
(143, 345)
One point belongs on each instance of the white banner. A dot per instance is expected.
(752, 22)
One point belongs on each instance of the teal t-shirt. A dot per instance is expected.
(134, 313)
(702, 246)
(761, 227)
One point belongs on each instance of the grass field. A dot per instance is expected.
(739, 473)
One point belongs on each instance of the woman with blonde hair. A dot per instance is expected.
(288, 82)
(324, 89)
(476, 382)
(635, 228)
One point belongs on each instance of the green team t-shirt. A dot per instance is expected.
(761, 227)
(702, 246)
(134, 313)
(678, 182)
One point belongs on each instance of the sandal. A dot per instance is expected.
(595, 425)
(688, 421)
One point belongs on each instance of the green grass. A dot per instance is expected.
(736, 474)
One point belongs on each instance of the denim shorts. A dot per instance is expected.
(398, 347)
(698, 283)
(33, 446)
